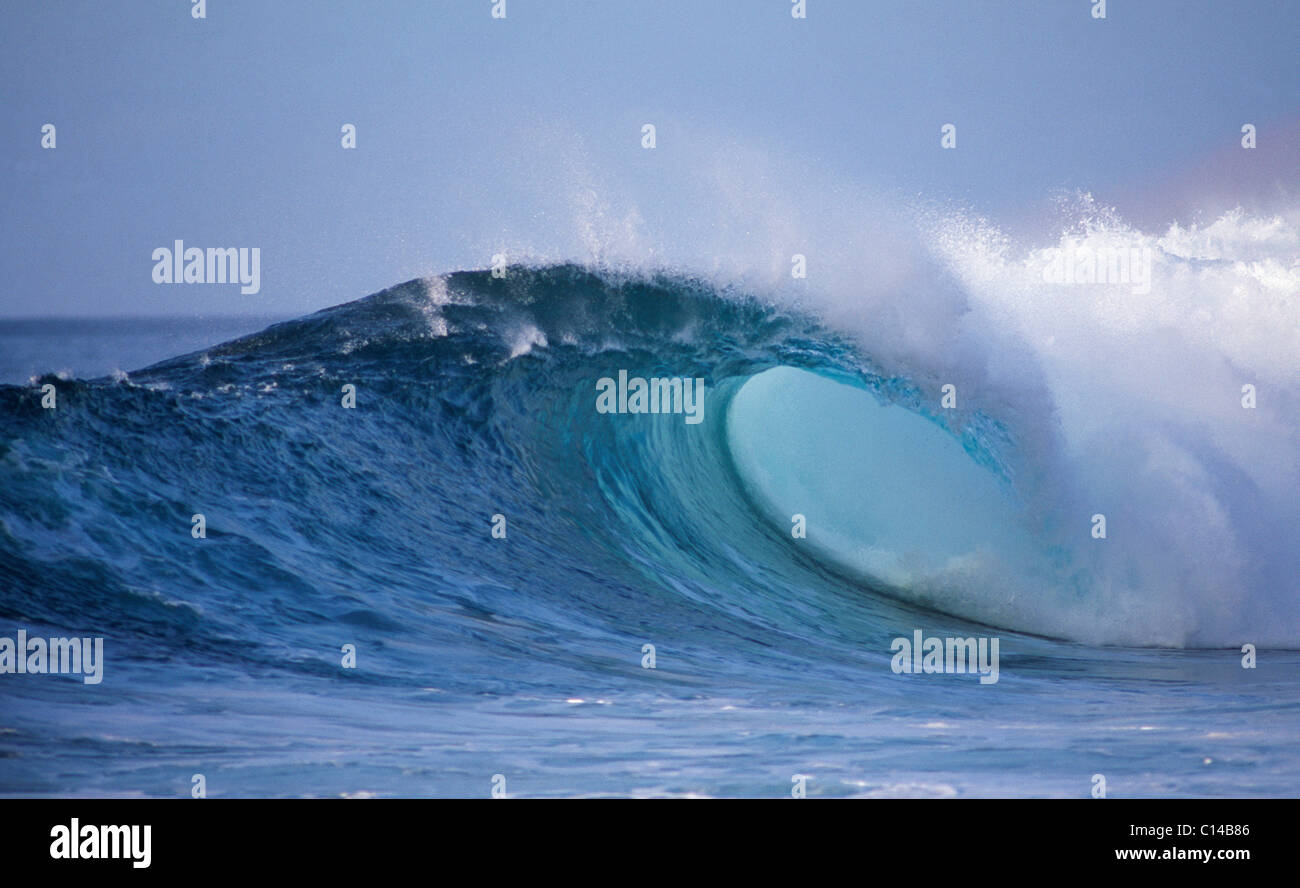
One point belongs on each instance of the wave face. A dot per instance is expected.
(476, 397)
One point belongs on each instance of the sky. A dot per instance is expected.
(477, 134)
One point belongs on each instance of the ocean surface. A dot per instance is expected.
(524, 654)
(92, 347)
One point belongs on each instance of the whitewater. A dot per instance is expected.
(523, 655)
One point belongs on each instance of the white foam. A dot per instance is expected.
(1146, 396)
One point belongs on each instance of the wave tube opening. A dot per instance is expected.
(890, 497)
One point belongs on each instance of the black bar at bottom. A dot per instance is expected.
(333, 838)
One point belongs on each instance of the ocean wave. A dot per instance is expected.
(476, 398)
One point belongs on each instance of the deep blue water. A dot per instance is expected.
(523, 656)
